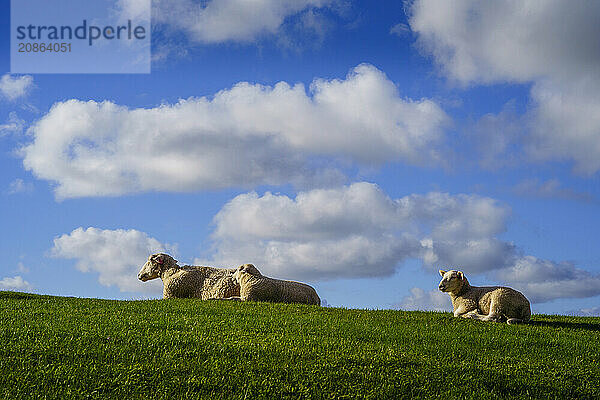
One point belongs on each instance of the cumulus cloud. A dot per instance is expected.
(220, 21)
(553, 44)
(14, 87)
(15, 283)
(244, 136)
(358, 231)
(508, 40)
(419, 299)
(115, 256)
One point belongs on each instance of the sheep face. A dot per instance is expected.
(451, 281)
(245, 269)
(154, 266)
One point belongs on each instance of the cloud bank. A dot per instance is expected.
(358, 231)
(551, 44)
(241, 137)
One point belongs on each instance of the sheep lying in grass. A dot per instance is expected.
(494, 303)
(189, 281)
(256, 287)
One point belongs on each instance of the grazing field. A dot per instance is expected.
(62, 348)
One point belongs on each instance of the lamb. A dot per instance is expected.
(494, 303)
(189, 281)
(256, 287)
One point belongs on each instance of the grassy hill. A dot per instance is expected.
(61, 348)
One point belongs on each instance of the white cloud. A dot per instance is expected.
(15, 283)
(433, 300)
(20, 186)
(508, 40)
(544, 280)
(220, 21)
(135, 9)
(244, 136)
(358, 231)
(15, 87)
(553, 44)
(565, 122)
(115, 255)
(13, 126)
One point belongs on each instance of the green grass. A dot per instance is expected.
(61, 348)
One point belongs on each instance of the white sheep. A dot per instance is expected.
(189, 281)
(494, 303)
(256, 287)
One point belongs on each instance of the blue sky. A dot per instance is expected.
(358, 146)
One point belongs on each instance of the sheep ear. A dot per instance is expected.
(442, 272)
(461, 276)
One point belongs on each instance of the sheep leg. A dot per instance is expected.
(233, 298)
(462, 311)
(473, 315)
(482, 317)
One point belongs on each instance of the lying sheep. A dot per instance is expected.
(494, 303)
(189, 281)
(256, 287)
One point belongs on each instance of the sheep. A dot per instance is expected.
(493, 303)
(256, 287)
(189, 281)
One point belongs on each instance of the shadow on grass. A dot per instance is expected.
(569, 325)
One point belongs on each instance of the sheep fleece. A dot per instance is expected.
(189, 281)
(256, 287)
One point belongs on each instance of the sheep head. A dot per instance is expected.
(155, 265)
(452, 281)
(245, 269)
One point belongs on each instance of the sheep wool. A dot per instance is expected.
(256, 287)
(493, 303)
(189, 281)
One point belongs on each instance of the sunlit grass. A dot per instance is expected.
(58, 348)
